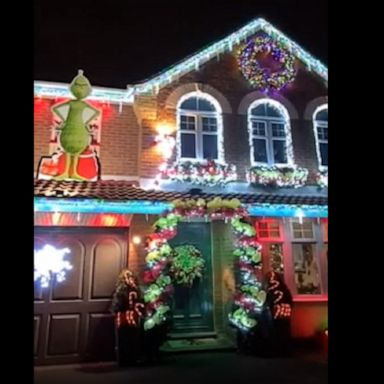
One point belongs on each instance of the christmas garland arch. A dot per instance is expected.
(249, 298)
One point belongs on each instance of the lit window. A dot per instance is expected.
(320, 122)
(307, 277)
(270, 236)
(302, 230)
(305, 253)
(269, 133)
(200, 127)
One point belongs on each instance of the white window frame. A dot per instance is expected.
(198, 132)
(322, 124)
(268, 122)
(287, 241)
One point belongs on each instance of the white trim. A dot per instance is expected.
(52, 90)
(198, 132)
(269, 137)
(319, 141)
(194, 62)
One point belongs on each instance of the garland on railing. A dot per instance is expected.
(322, 179)
(283, 176)
(249, 298)
(202, 173)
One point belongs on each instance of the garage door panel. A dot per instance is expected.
(101, 337)
(73, 322)
(72, 287)
(64, 332)
(106, 266)
(36, 333)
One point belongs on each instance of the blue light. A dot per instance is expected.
(285, 210)
(43, 204)
(100, 206)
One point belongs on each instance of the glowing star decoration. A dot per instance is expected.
(49, 264)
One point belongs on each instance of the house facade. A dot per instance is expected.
(216, 125)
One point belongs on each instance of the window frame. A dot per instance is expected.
(199, 133)
(322, 124)
(268, 121)
(287, 240)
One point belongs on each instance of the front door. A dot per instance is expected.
(193, 307)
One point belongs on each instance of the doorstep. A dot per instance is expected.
(221, 342)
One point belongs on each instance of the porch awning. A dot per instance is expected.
(122, 197)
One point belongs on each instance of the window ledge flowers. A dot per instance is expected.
(278, 176)
(322, 179)
(208, 172)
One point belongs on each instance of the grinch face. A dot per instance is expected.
(80, 87)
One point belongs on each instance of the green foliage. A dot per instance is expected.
(187, 264)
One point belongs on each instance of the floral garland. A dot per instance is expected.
(265, 78)
(250, 297)
(203, 173)
(287, 176)
(322, 179)
(187, 264)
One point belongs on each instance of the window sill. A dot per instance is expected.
(310, 298)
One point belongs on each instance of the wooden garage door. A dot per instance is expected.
(72, 321)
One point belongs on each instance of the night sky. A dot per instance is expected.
(120, 42)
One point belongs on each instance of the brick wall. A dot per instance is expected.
(42, 129)
(119, 152)
(141, 225)
(224, 76)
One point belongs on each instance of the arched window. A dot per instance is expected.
(320, 123)
(200, 128)
(269, 133)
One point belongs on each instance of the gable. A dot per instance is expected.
(227, 45)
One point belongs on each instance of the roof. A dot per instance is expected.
(189, 64)
(116, 190)
(225, 45)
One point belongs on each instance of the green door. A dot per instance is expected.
(193, 307)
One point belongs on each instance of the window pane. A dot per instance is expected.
(260, 110)
(260, 151)
(322, 115)
(188, 145)
(209, 124)
(273, 111)
(275, 257)
(322, 133)
(210, 146)
(279, 151)
(304, 230)
(278, 130)
(258, 128)
(268, 229)
(187, 123)
(205, 105)
(190, 104)
(307, 277)
(324, 153)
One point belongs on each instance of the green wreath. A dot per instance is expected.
(187, 264)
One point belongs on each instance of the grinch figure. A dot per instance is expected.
(75, 135)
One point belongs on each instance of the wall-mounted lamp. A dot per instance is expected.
(136, 240)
